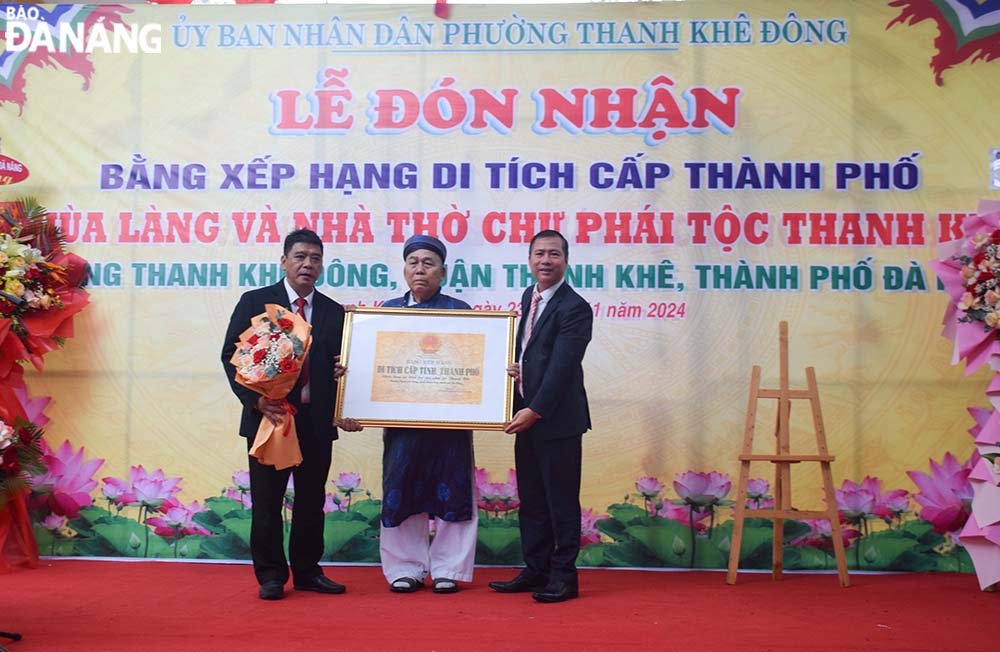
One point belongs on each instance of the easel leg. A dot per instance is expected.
(740, 516)
(835, 531)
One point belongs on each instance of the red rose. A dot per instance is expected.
(259, 355)
(8, 461)
(6, 307)
(287, 365)
(983, 277)
(285, 324)
(995, 236)
(274, 336)
(978, 258)
(253, 339)
(32, 274)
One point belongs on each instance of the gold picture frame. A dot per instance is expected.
(426, 368)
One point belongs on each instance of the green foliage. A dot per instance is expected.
(339, 532)
(671, 543)
(498, 542)
(631, 537)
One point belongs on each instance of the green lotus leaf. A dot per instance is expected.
(371, 510)
(362, 549)
(628, 513)
(338, 533)
(807, 558)
(661, 540)
(239, 527)
(224, 546)
(226, 507)
(592, 555)
(629, 554)
(128, 538)
(498, 545)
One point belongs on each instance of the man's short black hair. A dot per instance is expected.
(549, 233)
(306, 236)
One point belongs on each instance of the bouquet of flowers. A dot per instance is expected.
(20, 454)
(40, 285)
(969, 269)
(268, 359)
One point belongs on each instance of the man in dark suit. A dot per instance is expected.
(313, 398)
(550, 419)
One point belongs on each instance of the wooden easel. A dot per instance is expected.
(782, 460)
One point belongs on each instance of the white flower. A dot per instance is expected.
(6, 435)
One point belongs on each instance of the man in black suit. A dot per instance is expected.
(313, 398)
(550, 420)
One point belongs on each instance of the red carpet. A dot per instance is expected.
(89, 606)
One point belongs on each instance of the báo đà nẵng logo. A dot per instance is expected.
(12, 171)
(74, 29)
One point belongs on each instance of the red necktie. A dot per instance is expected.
(300, 305)
(536, 297)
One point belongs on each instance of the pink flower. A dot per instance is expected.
(757, 488)
(682, 514)
(242, 480)
(66, 484)
(333, 504)
(152, 489)
(177, 520)
(241, 497)
(757, 494)
(946, 494)
(588, 527)
(702, 489)
(348, 483)
(820, 534)
(34, 408)
(497, 496)
(53, 522)
(117, 490)
(648, 487)
(856, 502)
(892, 503)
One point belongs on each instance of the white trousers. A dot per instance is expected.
(408, 551)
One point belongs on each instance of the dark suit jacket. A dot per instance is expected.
(552, 364)
(327, 331)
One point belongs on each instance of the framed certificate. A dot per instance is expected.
(418, 368)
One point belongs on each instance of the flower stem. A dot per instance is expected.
(693, 538)
(145, 550)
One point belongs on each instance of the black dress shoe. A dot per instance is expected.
(320, 584)
(523, 583)
(272, 590)
(557, 592)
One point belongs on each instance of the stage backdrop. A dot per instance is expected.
(717, 167)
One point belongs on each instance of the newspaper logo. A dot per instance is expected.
(66, 29)
(995, 168)
(60, 37)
